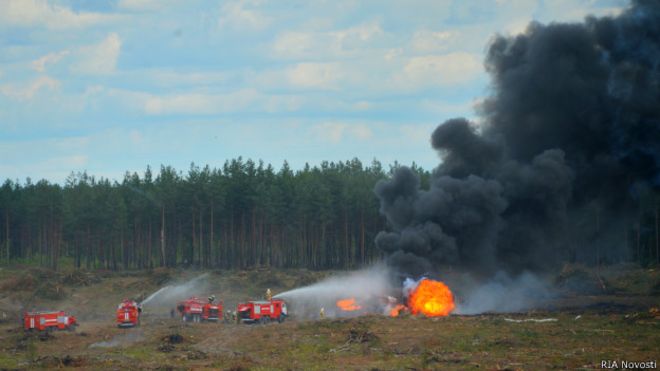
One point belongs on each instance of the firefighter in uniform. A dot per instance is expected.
(322, 313)
(269, 295)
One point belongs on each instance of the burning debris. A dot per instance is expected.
(396, 309)
(348, 305)
(347, 295)
(372, 291)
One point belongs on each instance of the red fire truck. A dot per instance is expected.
(47, 321)
(128, 313)
(262, 311)
(196, 310)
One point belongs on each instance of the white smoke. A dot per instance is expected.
(409, 285)
(370, 287)
(503, 294)
(121, 339)
(170, 294)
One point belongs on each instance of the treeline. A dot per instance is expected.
(242, 215)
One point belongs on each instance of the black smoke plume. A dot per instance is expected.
(570, 138)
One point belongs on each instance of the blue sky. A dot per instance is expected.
(114, 85)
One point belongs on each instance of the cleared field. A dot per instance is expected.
(583, 331)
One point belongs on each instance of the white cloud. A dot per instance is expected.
(39, 65)
(323, 45)
(141, 5)
(136, 137)
(28, 91)
(575, 11)
(191, 103)
(98, 59)
(362, 105)
(428, 41)
(362, 32)
(360, 131)
(315, 75)
(517, 26)
(334, 132)
(281, 103)
(417, 133)
(23, 13)
(295, 44)
(49, 158)
(446, 109)
(196, 103)
(170, 78)
(237, 15)
(440, 70)
(46, 167)
(392, 54)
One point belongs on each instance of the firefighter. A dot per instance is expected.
(322, 313)
(269, 295)
(234, 316)
(227, 316)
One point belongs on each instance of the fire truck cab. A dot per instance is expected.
(128, 314)
(196, 310)
(47, 321)
(262, 311)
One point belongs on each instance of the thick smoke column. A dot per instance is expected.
(570, 140)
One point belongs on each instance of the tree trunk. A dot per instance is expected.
(202, 256)
(7, 239)
(149, 246)
(346, 242)
(362, 237)
(162, 237)
(212, 242)
(88, 249)
(194, 238)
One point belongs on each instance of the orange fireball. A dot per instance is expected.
(431, 298)
(348, 304)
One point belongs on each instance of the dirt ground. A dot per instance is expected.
(576, 332)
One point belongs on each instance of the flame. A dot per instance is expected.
(431, 298)
(394, 312)
(348, 304)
